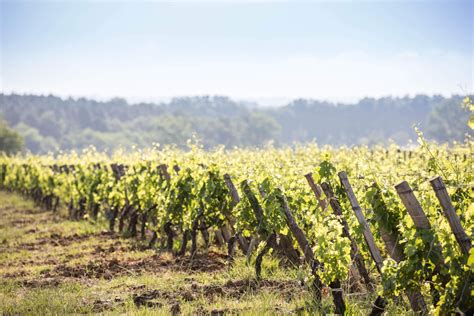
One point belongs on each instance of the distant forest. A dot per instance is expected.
(49, 123)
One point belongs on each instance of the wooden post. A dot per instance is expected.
(317, 191)
(380, 303)
(422, 224)
(270, 237)
(412, 205)
(299, 235)
(307, 252)
(418, 215)
(369, 238)
(284, 243)
(443, 197)
(391, 237)
(176, 168)
(219, 237)
(355, 252)
(254, 241)
(253, 202)
(238, 236)
(272, 242)
(164, 171)
(226, 231)
(232, 189)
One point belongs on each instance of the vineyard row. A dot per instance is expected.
(148, 201)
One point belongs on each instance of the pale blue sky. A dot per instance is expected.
(246, 50)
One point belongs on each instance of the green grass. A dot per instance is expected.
(33, 279)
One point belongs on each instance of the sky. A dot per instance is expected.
(264, 51)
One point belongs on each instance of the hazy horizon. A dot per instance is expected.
(259, 101)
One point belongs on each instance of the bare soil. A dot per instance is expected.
(40, 250)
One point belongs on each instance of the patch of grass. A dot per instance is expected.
(39, 251)
(9, 257)
(17, 201)
(67, 298)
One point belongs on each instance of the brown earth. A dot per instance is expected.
(48, 252)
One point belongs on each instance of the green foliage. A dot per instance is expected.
(10, 141)
(198, 193)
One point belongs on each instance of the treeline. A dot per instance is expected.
(49, 123)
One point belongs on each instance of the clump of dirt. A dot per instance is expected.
(107, 268)
(101, 305)
(200, 310)
(238, 288)
(152, 299)
(223, 311)
(16, 274)
(36, 261)
(175, 309)
(99, 269)
(30, 211)
(56, 239)
(115, 247)
(22, 222)
(147, 299)
(40, 283)
(72, 256)
(235, 289)
(210, 262)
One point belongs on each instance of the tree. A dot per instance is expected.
(10, 141)
(449, 121)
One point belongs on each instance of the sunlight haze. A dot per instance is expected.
(264, 52)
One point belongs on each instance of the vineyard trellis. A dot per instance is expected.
(290, 201)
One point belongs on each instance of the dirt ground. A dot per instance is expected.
(51, 265)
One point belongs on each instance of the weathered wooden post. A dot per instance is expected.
(314, 264)
(355, 253)
(280, 243)
(238, 235)
(422, 223)
(412, 205)
(253, 201)
(369, 238)
(417, 214)
(443, 197)
(270, 237)
(176, 169)
(317, 191)
(380, 303)
(391, 237)
(164, 172)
